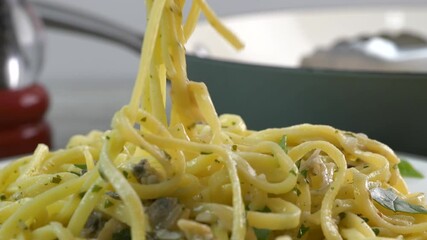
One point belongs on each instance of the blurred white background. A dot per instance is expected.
(68, 55)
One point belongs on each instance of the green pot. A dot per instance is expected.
(389, 107)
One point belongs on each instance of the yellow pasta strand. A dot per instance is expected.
(147, 51)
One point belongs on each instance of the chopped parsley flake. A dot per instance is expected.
(82, 194)
(283, 143)
(96, 188)
(102, 174)
(298, 163)
(350, 134)
(167, 155)
(81, 166)
(108, 203)
(376, 231)
(262, 234)
(113, 195)
(75, 173)
(123, 234)
(297, 191)
(365, 219)
(56, 179)
(302, 230)
(125, 173)
(304, 173)
(265, 210)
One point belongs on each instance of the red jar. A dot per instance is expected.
(21, 120)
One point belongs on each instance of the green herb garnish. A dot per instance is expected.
(350, 134)
(125, 174)
(96, 188)
(102, 174)
(302, 230)
(407, 170)
(265, 210)
(82, 194)
(113, 195)
(123, 234)
(298, 164)
(389, 199)
(108, 203)
(75, 173)
(262, 234)
(297, 191)
(304, 173)
(81, 166)
(376, 231)
(283, 143)
(167, 155)
(56, 179)
(365, 219)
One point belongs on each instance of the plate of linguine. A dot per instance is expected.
(193, 174)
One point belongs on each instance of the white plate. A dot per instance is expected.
(414, 184)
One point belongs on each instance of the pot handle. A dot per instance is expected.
(73, 20)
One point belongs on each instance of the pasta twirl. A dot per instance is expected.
(200, 176)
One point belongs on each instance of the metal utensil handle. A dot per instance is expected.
(73, 20)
